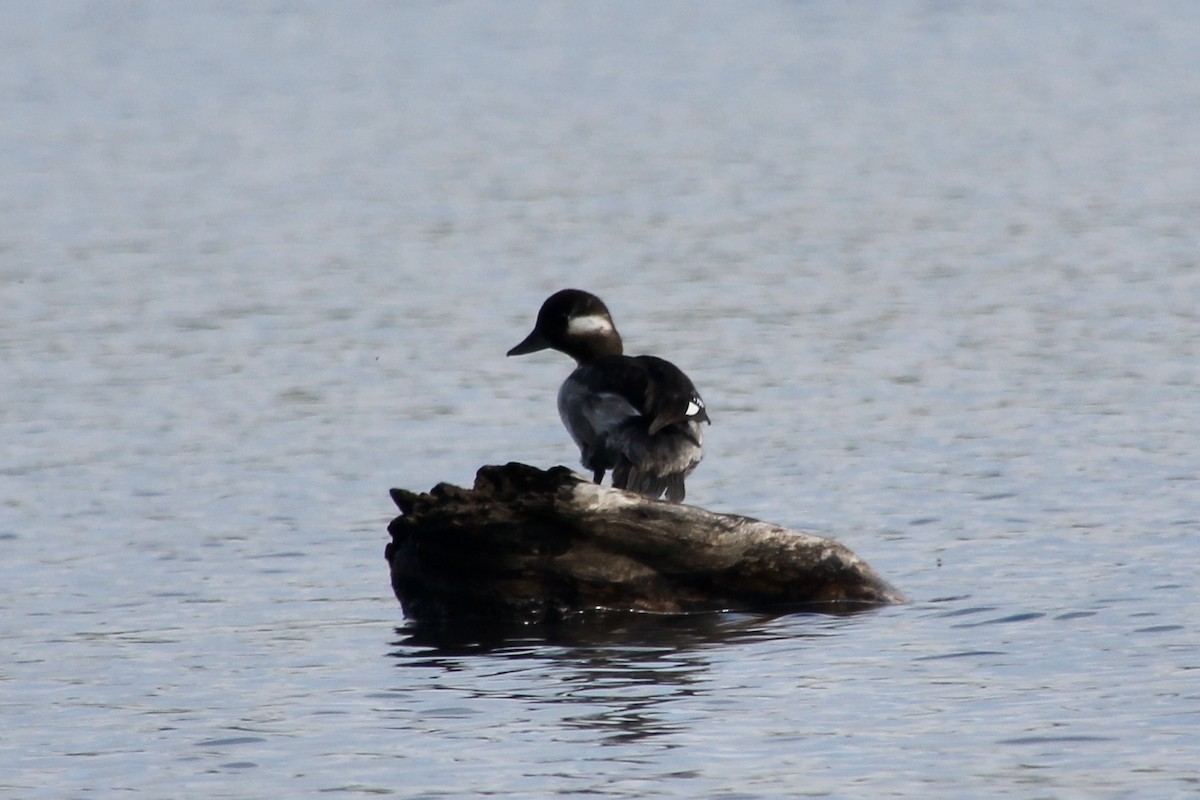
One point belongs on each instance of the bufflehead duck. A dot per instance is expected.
(636, 415)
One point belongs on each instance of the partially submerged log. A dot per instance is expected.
(531, 545)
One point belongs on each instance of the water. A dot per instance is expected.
(933, 265)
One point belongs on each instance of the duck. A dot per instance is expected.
(639, 416)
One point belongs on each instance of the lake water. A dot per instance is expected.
(935, 267)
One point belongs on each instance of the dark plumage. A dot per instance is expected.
(636, 415)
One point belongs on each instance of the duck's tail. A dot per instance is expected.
(651, 485)
(657, 464)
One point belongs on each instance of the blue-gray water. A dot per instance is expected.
(935, 267)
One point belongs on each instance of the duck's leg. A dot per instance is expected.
(591, 458)
(621, 474)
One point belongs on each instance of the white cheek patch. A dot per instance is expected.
(591, 325)
(694, 406)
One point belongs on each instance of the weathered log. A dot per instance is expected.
(531, 545)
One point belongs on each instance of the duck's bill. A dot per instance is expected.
(532, 343)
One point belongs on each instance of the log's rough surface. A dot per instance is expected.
(531, 545)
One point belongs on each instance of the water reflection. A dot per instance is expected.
(621, 631)
(617, 676)
(631, 631)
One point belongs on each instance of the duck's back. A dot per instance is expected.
(639, 416)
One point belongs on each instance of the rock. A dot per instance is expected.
(533, 545)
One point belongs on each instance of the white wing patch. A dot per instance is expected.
(590, 325)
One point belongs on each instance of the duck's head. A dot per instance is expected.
(573, 322)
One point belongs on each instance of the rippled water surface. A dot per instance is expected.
(934, 266)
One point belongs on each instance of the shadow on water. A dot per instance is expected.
(608, 630)
(618, 675)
